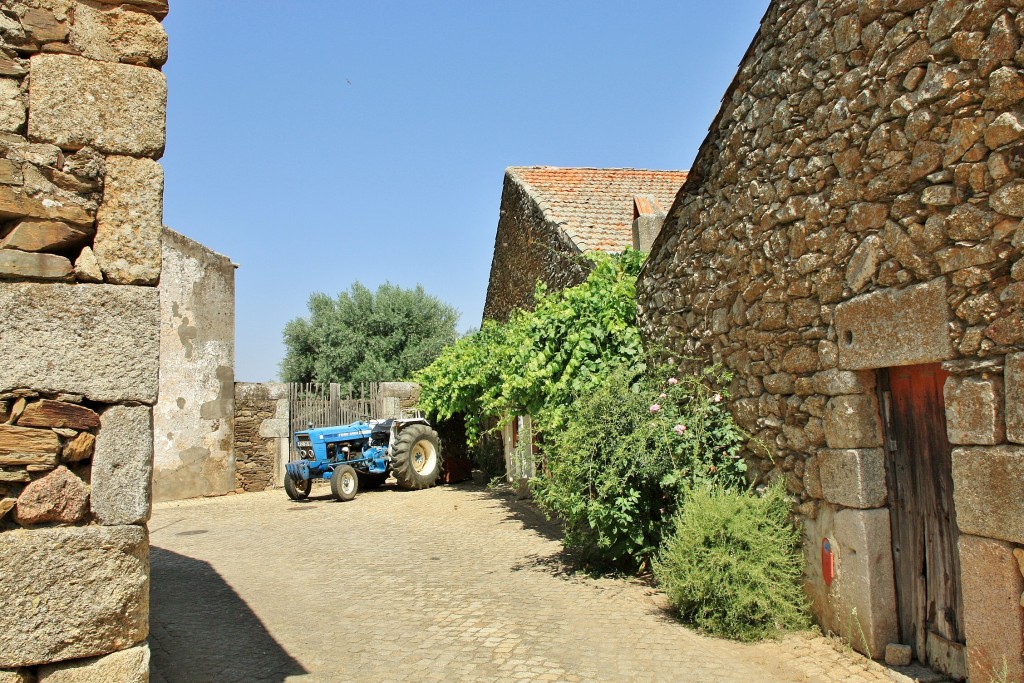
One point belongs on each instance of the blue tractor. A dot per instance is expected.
(362, 455)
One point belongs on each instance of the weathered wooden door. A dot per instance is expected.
(924, 531)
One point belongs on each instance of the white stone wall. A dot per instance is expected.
(193, 421)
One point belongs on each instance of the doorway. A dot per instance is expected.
(924, 531)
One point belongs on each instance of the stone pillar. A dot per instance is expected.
(867, 590)
(390, 407)
(645, 231)
(394, 397)
(261, 435)
(82, 107)
(859, 603)
(993, 615)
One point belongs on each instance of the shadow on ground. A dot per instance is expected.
(567, 564)
(201, 630)
(564, 563)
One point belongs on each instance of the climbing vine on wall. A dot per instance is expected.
(540, 360)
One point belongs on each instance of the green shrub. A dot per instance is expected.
(732, 566)
(614, 472)
(536, 362)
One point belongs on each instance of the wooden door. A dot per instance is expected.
(924, 531)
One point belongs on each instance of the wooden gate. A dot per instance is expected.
(924, 531)
(326, 405)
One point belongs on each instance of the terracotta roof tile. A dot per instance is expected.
(594, 206)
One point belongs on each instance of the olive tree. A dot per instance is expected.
(366, 336)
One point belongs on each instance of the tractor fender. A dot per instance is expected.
(399, 425)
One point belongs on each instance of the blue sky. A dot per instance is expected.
(318, 143)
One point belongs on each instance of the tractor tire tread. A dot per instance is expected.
(401, 457)
(294, 491)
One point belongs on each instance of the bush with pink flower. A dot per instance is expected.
(618, 471)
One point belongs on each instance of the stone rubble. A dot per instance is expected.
(47, 236)
(45, 437)
(79, 448)
(57, 414)
(87, 267)
(898, 655)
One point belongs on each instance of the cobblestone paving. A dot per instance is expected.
(450, 584)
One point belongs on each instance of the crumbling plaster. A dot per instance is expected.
(194, 416)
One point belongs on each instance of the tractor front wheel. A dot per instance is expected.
(344, 482)
(297, 490)
(416, 457)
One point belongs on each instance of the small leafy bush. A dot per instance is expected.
(615, 470)
(732, 566)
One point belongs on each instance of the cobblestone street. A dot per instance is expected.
(454, 583)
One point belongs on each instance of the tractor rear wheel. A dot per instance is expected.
(297, 490)
(344, 482)
(416, 457)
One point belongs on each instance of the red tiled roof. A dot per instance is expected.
(594, 206)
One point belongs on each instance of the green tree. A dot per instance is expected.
(365, 336)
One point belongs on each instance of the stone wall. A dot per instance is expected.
(82, 105)
(527, 249)
(261, 435)
(857, 205)
(194, 417)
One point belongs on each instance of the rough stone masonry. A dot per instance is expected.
(857, 206)
(82, 109)
(261, 435)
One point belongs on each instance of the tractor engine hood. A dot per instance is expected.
(351, 432)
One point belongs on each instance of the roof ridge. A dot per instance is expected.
(593, 207)
(596, 168)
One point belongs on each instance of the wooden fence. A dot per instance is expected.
(325, 405)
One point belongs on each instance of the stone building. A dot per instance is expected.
(82, 108)
(549, 216)
(849, 243)
(193, 420)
